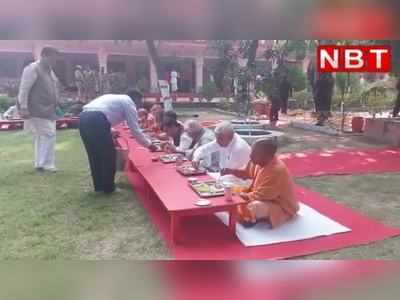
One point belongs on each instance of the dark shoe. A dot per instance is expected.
(249, 224)
(39, 169)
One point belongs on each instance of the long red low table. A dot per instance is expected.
(19, 123)
(11, 124)
(172, 188)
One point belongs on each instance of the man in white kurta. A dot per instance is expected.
(174, 81)
(232, 150)
(37, 100)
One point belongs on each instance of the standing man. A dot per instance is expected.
(285, 90)
(79, 82)
(275, 98)
(37, 101)
(323, 92)
(95, 125)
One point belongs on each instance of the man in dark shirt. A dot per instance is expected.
(285, 89)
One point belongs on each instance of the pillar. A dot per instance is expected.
(37, 49)
(199, 62)
(130, 70)
(153, 77)
(70, 72)
(103, 58)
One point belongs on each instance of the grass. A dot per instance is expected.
(57, 216)
(48, 216)
(377, 196)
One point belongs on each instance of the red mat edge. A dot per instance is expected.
(163, 229)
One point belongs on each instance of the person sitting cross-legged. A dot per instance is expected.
(270, 196)
(228, 150)
(146, 119)
(178, 138)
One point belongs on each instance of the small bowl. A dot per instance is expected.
(192, 180)
(203, 202)
(154, 158)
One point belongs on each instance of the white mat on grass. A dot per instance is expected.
(306, 225)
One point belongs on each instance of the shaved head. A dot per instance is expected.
(267, 145)
(263, 151)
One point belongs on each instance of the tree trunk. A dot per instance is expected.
(252, 54)
(251, 64)
(155, 58)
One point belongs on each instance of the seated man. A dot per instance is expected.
(270, 197)
(176, 133)
(199, 136)
(146, 120)
(156, 113)
(11, 113)
(232, 151)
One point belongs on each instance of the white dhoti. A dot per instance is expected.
(44, 133)
(174, 85)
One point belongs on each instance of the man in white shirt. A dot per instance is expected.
(233, 151)
(95, 125)
(175, 130)
(198, 136)
(37, 101)
(174, 81)
(168, 104)
(11, 113)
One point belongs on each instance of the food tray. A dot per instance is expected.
(170, 158)
(207, 189)
(188, 170)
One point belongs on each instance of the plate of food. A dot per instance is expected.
(159, 147)
(208, 189)
(188, 170)
(171, 158)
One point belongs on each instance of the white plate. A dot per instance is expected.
(203, 202)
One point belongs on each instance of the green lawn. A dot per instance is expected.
(48, 216)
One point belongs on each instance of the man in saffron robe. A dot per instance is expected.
(271, 195)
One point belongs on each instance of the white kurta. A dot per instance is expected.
(235, 156)
(43, 130)
(44, 137)
(174, 81)
(168, 104)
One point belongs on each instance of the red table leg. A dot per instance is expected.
(174, 228)
(233, 220)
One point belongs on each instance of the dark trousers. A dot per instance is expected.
(95, 131)
(285, 100)
(274, 113)
(276, 103)
(396, 108)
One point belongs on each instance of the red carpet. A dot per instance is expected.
(206, 238)
(285, 280)
(343, 162)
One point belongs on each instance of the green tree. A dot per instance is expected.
(297, 78)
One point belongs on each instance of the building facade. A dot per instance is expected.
(192, 59)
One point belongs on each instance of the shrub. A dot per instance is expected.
(226, 104)
(143, 85)
(117, 82)
(6, 102)
(297, 78)
(209, 90)
(304, 99)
